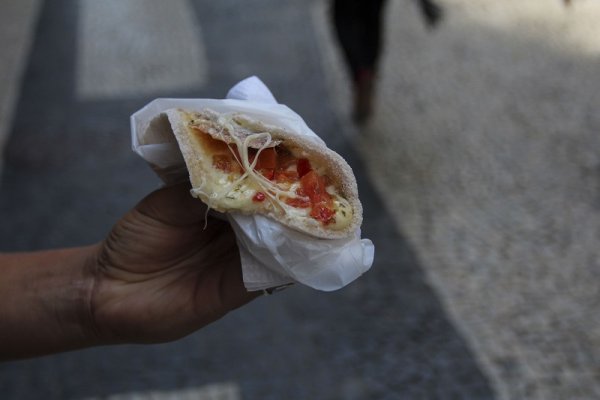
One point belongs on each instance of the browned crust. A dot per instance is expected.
(336, 168)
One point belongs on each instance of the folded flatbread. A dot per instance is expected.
(239, 164)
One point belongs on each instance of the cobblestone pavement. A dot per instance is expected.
(483, 288)
(489, 128)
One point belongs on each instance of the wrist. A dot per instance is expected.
(84, 286)
(46, 302)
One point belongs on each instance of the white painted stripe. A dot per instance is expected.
(217, 391)
(17, 23)
(132, 47)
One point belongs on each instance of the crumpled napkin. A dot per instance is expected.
(271, 254)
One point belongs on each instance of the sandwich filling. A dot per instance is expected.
(258, 173)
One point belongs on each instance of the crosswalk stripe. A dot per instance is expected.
(133, 47)
(216, 391)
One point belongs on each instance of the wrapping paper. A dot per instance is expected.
(271, 254)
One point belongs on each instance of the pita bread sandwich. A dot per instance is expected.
(239, 164)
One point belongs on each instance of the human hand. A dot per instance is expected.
(162, 275)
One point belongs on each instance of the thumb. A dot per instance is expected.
(174, 205)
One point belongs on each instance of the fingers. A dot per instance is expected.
(174, 205)
(220, 286)
(219, 291)
(233, 293)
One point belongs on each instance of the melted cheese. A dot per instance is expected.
(234, 191)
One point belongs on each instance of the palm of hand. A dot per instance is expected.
(162, 275)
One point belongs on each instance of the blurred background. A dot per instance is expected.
(479, 171)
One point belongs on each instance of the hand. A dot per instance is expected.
(163, 274)
(158, 276)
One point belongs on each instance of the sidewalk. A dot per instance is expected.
(488, 133)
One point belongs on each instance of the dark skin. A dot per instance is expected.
(158, 276)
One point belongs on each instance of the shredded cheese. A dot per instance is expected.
(251, 179)
(270, 189)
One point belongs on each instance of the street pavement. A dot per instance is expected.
(489, 127)
(478, 174)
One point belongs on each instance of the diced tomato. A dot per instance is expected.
(285, 162)
(322, 212)
(222, 162)
(298, 202)
(310, 184)
(258, 197)
(314, 186)
(268, 173)
(286, 170)
(267, 159)
(286, 176)
(303, 167)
